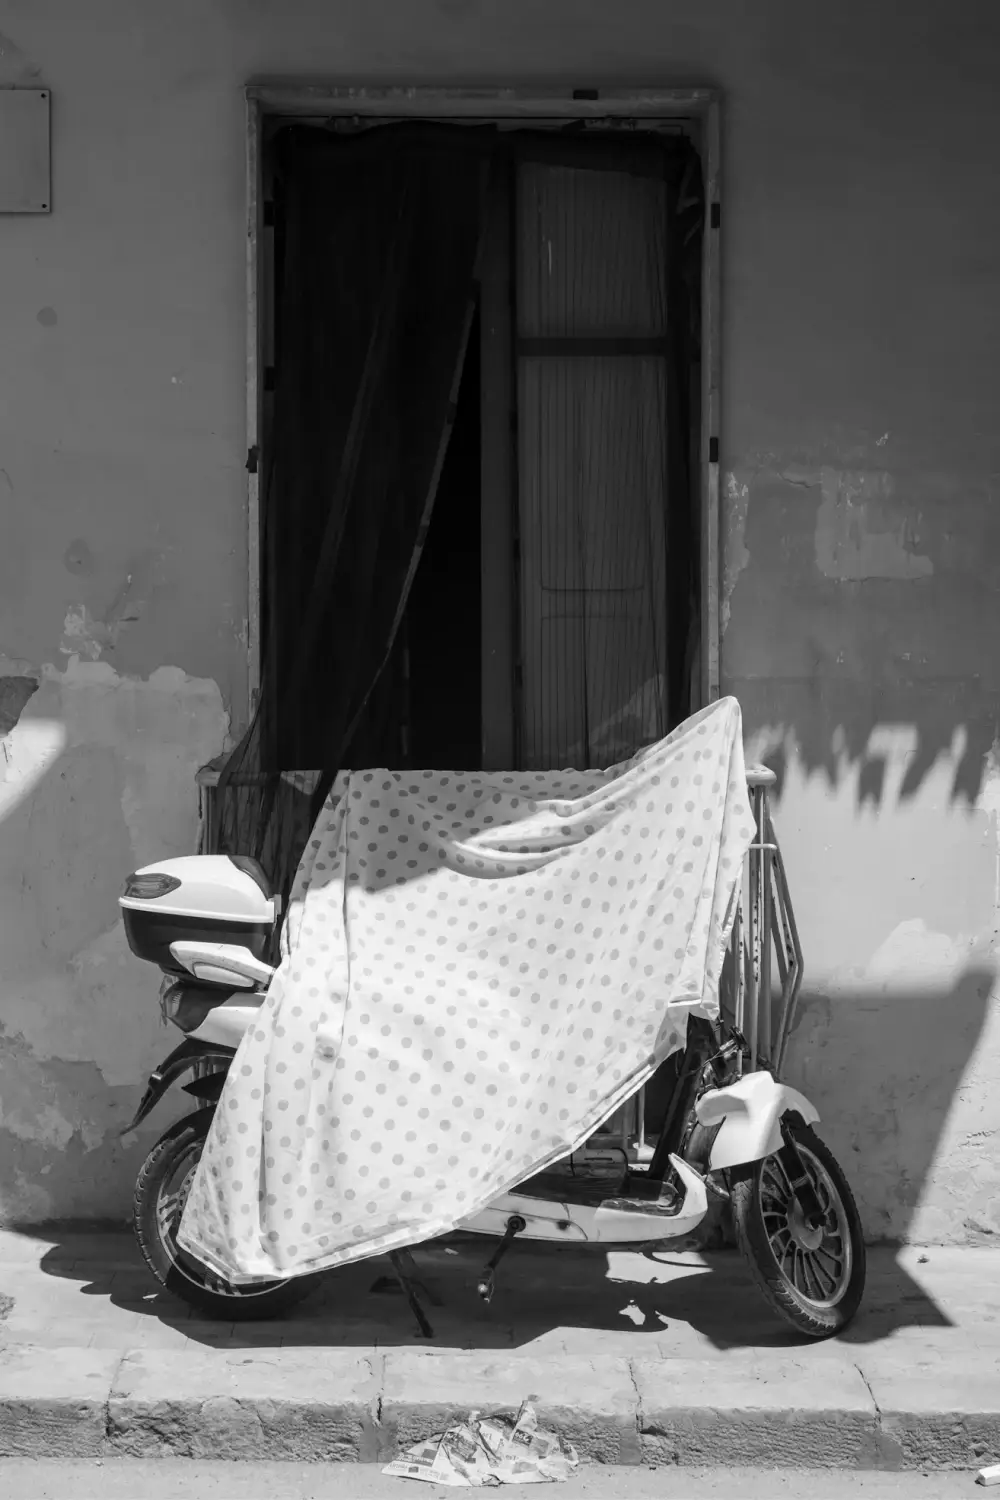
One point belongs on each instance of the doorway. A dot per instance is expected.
(554, 608)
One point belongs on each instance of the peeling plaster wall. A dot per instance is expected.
(860, 565)
(96, 779)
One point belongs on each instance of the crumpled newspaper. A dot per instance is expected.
(487, 1451)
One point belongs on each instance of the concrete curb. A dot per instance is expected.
(341, 1405)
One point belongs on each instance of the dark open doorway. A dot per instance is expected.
(504, 450)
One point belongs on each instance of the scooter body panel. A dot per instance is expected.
(751, 1111)
(611, 1223)
(226, 1024)
(191, 1053)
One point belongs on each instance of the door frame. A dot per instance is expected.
(696, 111)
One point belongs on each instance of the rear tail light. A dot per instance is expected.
(149, 887)
(171, 995)
(187, 1004)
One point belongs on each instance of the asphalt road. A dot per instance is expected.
(168, 1479)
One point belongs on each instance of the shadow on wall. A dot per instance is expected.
(896, 903)
(885, 1069)
(855, 726)
(887, 810)
(861, 596)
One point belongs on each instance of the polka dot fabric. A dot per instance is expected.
(476, 971)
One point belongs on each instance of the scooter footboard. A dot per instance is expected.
(750, 1112)
(616, 1221)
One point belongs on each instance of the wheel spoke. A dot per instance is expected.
(170, 1204)
(169, 1210)
(825, 1279)
(832, 1265)
(820, 1287)
(832, 1273)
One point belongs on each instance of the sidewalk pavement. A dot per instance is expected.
(657, 1359)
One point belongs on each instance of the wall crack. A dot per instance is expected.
(638, 1401)
(112, 1392)
(874, 1398)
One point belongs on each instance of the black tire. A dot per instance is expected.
(157, 1215)
(815, 1287)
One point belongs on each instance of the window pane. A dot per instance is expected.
(591, 250)
(592, 445)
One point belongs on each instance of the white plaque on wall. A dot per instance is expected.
(25, 168)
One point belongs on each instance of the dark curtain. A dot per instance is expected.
(685, 238)
(379, 239)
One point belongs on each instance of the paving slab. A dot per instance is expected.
(757, 1412)
(54, 1407)
(936, 1414)
(213, 1404)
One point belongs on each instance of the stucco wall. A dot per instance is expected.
(861, 461)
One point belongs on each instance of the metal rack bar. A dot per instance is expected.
(764, 854)
(752, 1032)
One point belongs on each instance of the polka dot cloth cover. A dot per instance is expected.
(477, 970)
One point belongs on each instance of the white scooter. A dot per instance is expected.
(732, 1133)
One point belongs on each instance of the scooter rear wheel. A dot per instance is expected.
(814, 1279)
(160, 1195)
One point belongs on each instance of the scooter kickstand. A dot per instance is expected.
(410, 1294)
(487, 1282)
(412, 1270)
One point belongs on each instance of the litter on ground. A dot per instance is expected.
(489, 1451)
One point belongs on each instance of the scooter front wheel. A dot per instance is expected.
(160, 1195)
(814, 1278)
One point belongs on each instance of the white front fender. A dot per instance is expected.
(750, 1111)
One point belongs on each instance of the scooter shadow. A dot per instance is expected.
(548, 1299)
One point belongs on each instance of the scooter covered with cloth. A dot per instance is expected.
(733, 1138)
